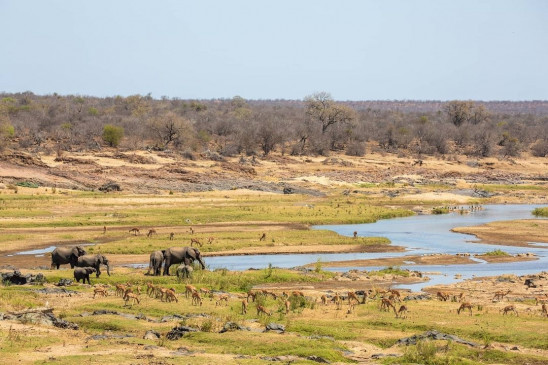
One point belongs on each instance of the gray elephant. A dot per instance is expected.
(66, 255)
(155, 264)
(83, 273)
(94, 261)
(177, 255)
(184, 271)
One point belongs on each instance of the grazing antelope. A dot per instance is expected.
(134, 230)
(151, 232)
(396, 293)
(130, 290)
(120, 290)
(220, 298)
(171, 235)
(509, 308)
(297, 293)
(194, 241)
(287, 304)
(170, 296)
(151, 289)
(206, 291)
(133, 297)
(499, 295)
(252, 295)
(244, 306)
(210, 240)
(263, 237)
(352, 295)
(338, 301)
(386, 304)
(351, 306)
(196, 298)
(402, 311)
(100, 291)
(189, 289)
(159, 293)
(464, 306)
(458, 297)
(442, 296)
(261, 309)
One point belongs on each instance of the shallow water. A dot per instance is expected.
(422, 234)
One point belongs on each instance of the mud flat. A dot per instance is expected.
(519, 233)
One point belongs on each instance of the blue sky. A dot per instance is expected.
(355, 50)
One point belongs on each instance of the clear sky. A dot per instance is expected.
(278, 49)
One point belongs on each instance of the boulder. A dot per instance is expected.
(151, 335)
(178, 332)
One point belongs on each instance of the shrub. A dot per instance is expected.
(356, 149)
(540, 212)
(112, 135)
(496, 252)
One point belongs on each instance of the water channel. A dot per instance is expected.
(421, 234)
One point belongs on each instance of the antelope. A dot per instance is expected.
(171, 235)
(396, 293)
(244, 306)
(194, 241)
(386, 304)
(151, 232)
(196, 298)
(135, 231)
(541, 299)
(104, 229)
(221, 297)
(544, 311)
(133, 297)
(499, 295)
(151, 288)
(159, 293)
(352, 295)
(324, 299)
(191, 230)
(263, 237)
(442, 296)
(261, 309)
(351, 306)
(509, 308)
(120, 289)
(189, 289)
(297, 293)
(403, 310)
(458, 297)
(210, 240)
(205, 291)
(252, 295)
(287, 304)
(170, 295)
(338, 301)
(130, 290)
(464, 306)
(100, 291)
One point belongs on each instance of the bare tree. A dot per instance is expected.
(322, 108)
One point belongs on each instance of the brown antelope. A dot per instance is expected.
(134, 230)
(458, 297)
(297, 293)
(352, 296)
(464, 306)
(151, 232)
(210, 240)
(130, 290)
(252, 295)
(170, 296)
(541, 299)
(191, 230)
(324, 299)
(442, 296)
(133, 297)
(220, 298)
(261, 309)
(206, 292)
(151, 289)
(120, 289)
(338, 301)
(244, 306)
(543, 310)
(396, 293)
(263, 237)
(196, 298)
(351, 306)
(287, 304)
(189, 289)
(171, 235)
(509, 308)
(159, 293)
(402, 311)
(386, 304)
(100, 291)
(499, 295)
(195, 241)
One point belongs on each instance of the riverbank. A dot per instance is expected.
(520, 233)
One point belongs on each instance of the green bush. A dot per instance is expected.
(496, 252)
(112, 135)
(540, 212)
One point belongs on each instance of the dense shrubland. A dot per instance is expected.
(316, 125)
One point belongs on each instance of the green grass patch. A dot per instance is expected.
(540, 212)
(497, 252)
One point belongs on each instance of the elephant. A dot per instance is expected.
(66, 255)
(184, 271)
(155, 264)
(83, 273)
(177, 255)
(94, 261)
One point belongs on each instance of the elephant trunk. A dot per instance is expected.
(108, 269)
(201, 263)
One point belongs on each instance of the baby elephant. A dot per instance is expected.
(83, 273)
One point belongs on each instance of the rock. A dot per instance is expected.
(151, 335)
(110, 186)
(108, 336)
(64, 282)
(434, 335)
(178, 332)
(56, 291)
(17, 278)
(417, 297)
(530, 283)
(378, 356)
(288, 190)
(275, 327)
(232, 326)
(318, 359)
(39, 316)
(515, 348)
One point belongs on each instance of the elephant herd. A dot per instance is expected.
(84, 264)
(174, 255)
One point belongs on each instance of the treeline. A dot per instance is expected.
(316, 125)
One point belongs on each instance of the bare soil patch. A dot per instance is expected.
(514, 233)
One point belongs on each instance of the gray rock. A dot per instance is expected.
(318, 359)
(275, 327)
(151, 335)
(434, 335)
(232, 326)
(178, 332)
